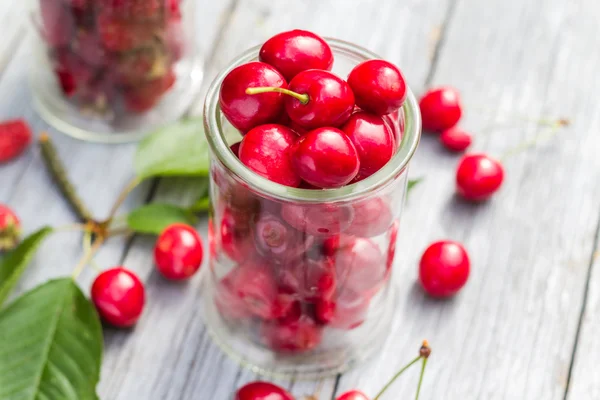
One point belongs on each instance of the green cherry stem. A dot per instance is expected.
(423, 365)
(302, 98)
(533, 142)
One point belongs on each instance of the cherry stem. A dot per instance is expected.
(303, 98)
(421, 377)
(122, 196)
(87, 257)
(407, 366)
(530, 143)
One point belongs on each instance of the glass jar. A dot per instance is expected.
(299, 281)
(110, 70)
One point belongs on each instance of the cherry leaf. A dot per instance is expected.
(154, 218)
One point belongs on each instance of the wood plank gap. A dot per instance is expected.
(440, 42)
(11, 50)
(586, 290)
(336, 386)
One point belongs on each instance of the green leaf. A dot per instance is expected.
(201, 205)
(50, 345)
(412, 183)
(154, 218)
(14, 263)
(175, 150)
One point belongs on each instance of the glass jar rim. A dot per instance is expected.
(219, 146)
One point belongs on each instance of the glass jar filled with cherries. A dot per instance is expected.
(310, 142)
(109, 70)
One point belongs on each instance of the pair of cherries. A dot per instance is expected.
(478, 175)
(119, 295)
(304, 126)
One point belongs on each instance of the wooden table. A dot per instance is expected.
(527, 325)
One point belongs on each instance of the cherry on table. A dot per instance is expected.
(119, 297)
(378, 85)
(456, 139)
(444, 268)
(373, 140)
(178, 252)
(353, 395)
(326, 158)
(246, 111)
(295, 51)
(315, 98)
(262, 391)
(10, 228)
(267, 150)
(440, 108)
(478, 176)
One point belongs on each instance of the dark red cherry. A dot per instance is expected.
(326, 158)
(378, 86)
(178, 252)
(248, 111)
(235, 236)
(456, 139)
(119, 296)
(444, 268)
(440, 109)
(478, 176)
(262, 391)
(373, 140)
(318, 219)
(295, 51)
(266, 150)
(295, 337)
(235, 148)
(372, 217)
(315, 99)
(346, 311)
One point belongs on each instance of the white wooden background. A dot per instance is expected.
(527, 325)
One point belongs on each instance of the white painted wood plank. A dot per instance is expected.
(510, 333)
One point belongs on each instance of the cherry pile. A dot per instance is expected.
(113, 55)
(304, 126)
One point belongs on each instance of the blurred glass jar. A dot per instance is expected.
(299, 282)
(110, 70)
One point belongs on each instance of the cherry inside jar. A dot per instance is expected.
(300, 279)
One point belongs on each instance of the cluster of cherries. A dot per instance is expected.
(113, 55)
(119, 295)
(304, 126)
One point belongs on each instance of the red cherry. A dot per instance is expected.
(246, 111)
(236, 239)
(393, 239)
(318, 219)
(266, 150)
(347, 311)
(315, 99)
(360, 265)
(228, 303)
(235, 148)
(58, 24)
(254, 284)
(275, 240)
(444, 268)
(372, 217)
(118, 295)
(295, 51)
(178, 252)
(478, 176)
(378, 85)
(262, 391)
(456, 139)
(10, 228)
(296, 336)
(353, 395)
(440, 108)
(312, 280)
(326, 158)
(373, 140)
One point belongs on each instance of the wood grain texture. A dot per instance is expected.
(511, 333)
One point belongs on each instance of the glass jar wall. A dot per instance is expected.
(299, 281)
(110, 70)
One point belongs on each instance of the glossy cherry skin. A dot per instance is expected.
(119, 297)
(444, 268)
(248, 111)
(235, 148)
(262, 391)
(295, 51)
(440, 109)
(267, 150)
(320, 220)
(330, 100)
(326, 158)
(178, 252)
(478, 176)
(296, 336)
(456, 139)
(379, 86)
(353, 395)
(373, 140)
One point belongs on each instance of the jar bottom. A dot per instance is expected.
(366, 341)
(70, 119)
